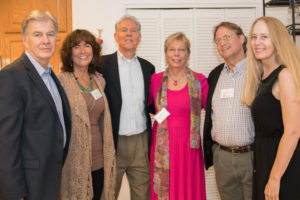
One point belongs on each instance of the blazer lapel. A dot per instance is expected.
(65, 102)
(146, 76)
(114, 74)
(38, 82)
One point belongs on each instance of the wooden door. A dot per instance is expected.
(12, 13)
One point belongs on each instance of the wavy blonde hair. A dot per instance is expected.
(286, 54)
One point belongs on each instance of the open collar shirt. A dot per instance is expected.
(45, 74)
(132, 118)
(231, 120)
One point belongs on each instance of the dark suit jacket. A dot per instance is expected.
(207, 139)
(31, 135)
(109, 69)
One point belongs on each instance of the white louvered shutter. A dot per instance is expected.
(179, 20)
(207, 55)
(150, 45)
(243, 17)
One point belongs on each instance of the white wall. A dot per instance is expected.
(98, 14)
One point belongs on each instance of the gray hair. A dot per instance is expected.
(131, 18)
(38, 15)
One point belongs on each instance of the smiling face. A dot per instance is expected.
(39, 40)
(127, 36)
(82, 54)
(229, 44)
(177, 55)
(261, 42)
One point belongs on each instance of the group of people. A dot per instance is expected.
(74, 136)
(251, 133)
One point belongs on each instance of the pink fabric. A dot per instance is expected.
(187, 180)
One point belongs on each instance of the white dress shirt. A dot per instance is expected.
(132, 118)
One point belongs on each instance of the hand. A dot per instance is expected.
(98, 74)
(272, 190)
(21, 199)
(163, 125)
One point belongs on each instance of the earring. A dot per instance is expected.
(93, 62)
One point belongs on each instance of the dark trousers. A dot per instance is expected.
(98, 179)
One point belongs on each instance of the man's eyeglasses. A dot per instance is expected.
(224, 38)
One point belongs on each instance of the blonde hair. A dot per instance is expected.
(286, 54)
(178, 36)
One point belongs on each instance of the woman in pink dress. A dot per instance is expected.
(177, 168)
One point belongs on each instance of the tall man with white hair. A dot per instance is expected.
(127, 86)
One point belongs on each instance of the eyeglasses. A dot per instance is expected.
(224, 38)
(180, 50)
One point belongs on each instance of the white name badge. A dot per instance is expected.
(96, 94)
(227, 93)
(161, 115)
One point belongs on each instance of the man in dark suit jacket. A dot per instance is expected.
(127, 86)
(228, 128)
(35, 118)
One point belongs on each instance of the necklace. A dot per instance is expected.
(88, 89)
(175, 81)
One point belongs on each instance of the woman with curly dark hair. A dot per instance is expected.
(90, 165)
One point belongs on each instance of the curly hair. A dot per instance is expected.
(74, 39)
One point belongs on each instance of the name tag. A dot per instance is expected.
(96, 94)
(227, 93)
(161, 115)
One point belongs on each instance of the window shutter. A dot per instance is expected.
(207, 57)
(242, 17)
(180, 20)
(150, 45)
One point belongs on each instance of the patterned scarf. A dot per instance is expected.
(161, 161)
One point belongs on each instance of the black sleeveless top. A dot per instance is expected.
(267, 118)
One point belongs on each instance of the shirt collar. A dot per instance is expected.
(239, 67)
(122, 58)
(41, 70)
